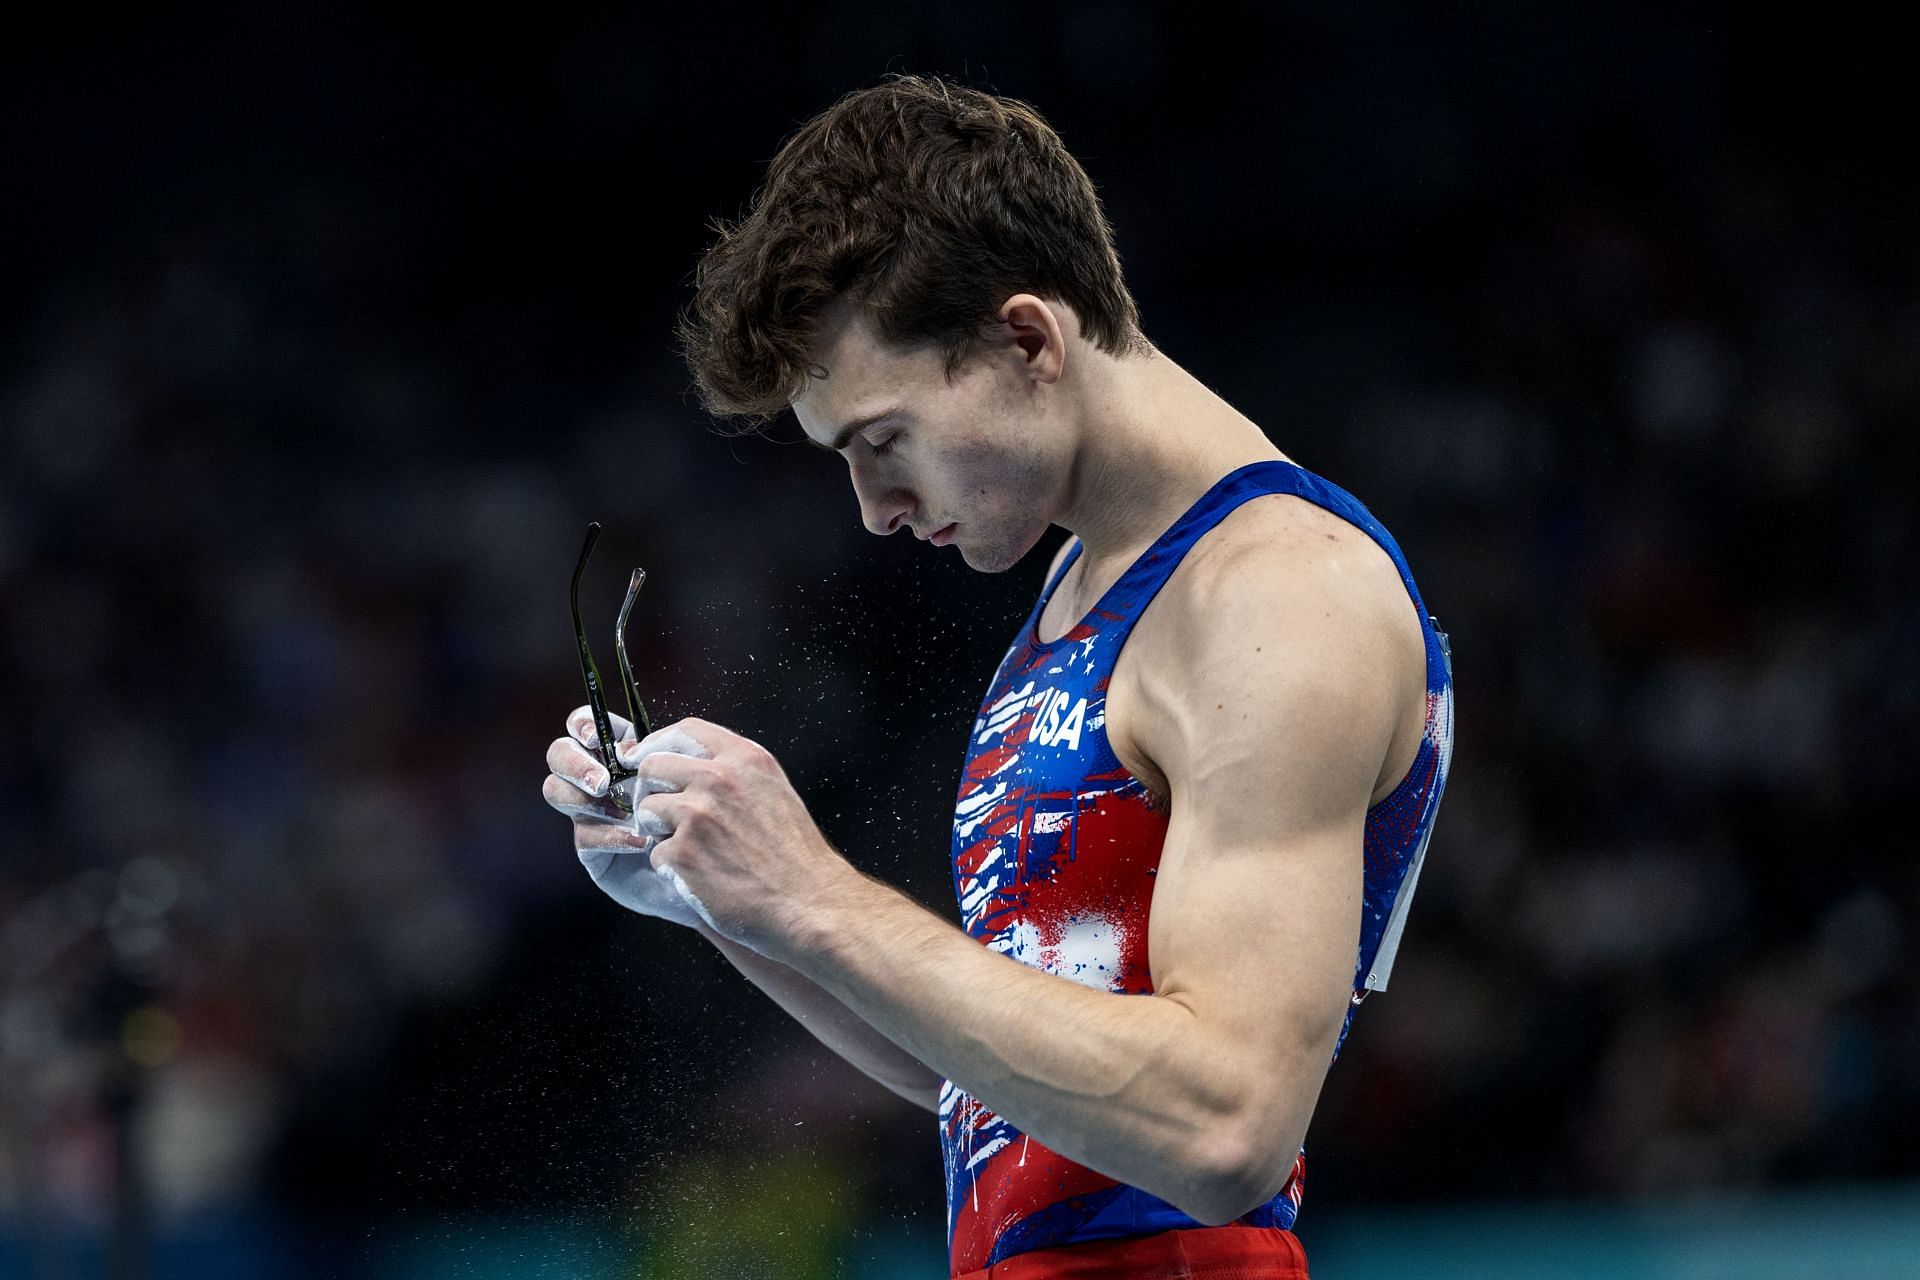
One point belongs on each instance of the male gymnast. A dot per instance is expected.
(1200, 786)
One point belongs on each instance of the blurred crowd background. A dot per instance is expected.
(327, 332)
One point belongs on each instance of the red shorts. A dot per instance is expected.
(1193, 1253)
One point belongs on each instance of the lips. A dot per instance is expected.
(941, 537)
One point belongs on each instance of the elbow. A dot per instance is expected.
(1217, 1204)
(1237, 1173)
(1249, 1148)
(922, 1089)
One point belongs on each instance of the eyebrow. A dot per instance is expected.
(847, 432)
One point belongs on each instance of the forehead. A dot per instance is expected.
(863, 373)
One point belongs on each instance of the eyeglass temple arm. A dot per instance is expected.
(603, 727)
(636, 709)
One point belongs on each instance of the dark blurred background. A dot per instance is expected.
(327, 331)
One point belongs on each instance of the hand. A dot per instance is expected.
(740, 844)
(614, 846)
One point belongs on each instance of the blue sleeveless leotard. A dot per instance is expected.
(1055, 847)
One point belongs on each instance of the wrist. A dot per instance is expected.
(833, 915)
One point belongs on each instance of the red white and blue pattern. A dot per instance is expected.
(1055, 849)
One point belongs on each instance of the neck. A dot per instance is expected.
(1151, 440)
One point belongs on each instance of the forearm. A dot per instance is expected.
(1130, 1086)
(833, 1024)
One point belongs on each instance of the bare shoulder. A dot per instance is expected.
(1282, 548)
(1281, 595)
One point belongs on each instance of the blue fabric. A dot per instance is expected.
(1055, 846)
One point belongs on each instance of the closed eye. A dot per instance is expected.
(887, 444)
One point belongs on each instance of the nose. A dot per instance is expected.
(883, 508)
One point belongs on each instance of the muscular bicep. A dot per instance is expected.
(1270, 734)
(1256, 908)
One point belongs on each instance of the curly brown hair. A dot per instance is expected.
(928, 202)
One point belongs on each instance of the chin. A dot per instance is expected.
(994, 557)
(979, 565)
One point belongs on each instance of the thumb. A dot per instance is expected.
(672, 738)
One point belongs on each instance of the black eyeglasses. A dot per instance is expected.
(636, 710)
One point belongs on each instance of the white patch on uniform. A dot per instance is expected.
(1088, 952)
(1440, 712)
(1049, 821)
(1021, 940)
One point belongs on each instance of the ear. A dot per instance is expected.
(1035, 328)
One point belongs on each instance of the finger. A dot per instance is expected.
(575, 803)
(660, 812)
(573, 763)
(669, 771)
(664, 866)
(671, 738)
(590, 835)
(581, 727)
(708, 734)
